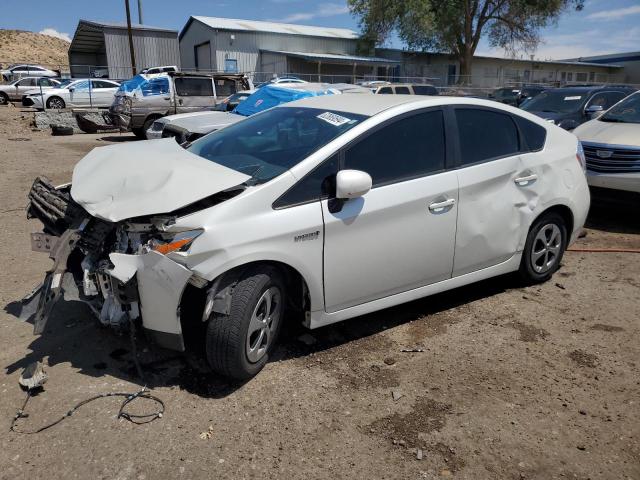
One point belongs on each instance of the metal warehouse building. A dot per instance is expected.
(267, 48)
(102, 49)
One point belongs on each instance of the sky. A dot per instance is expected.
(603, 26)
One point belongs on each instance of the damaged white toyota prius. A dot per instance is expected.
(332, 207)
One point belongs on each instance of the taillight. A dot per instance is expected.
(581, 158)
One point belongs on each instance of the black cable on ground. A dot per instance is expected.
(122, 413)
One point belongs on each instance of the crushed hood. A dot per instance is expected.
(146, 178)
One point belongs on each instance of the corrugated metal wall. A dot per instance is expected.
(151, 49)
(246, 46)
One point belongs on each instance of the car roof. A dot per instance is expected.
(370, 105)
(587, 89)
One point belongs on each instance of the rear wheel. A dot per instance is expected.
(238, 345)
(4, 98)
(545, 246)
(56, 103)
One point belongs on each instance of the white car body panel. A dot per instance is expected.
(382, 249)
(100, 97)
(609, 135)
(125, 181)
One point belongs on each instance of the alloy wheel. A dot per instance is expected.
(546, 248)
(263, 324)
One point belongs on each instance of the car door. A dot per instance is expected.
(102, 93)
(194, 93)
(22, 86)
(401, 234)
(496, 184)
(78, 95)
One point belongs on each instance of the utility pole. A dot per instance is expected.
(133, 54)
(140, 12)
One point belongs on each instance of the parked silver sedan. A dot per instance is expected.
(15, 72)
(15, 90)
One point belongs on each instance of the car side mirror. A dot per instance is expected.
(352, 184)
(71, 89)
(593, 111)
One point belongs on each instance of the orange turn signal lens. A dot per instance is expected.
(165, 248)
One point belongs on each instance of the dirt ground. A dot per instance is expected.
(506, 383)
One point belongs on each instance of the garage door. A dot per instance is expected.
(203, 56)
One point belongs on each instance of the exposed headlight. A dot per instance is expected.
(177, 242)
(580, 156)
(157, 126)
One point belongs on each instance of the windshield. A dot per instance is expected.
(626, 111)
(272, 142)
(556, 101)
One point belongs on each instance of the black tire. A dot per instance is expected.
(227, 347)
(60, 130)
(56, 103)
(4, 99)
(139, 133)
(537, 267)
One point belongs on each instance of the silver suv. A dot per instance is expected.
(145, 98)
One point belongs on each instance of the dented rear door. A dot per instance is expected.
(496, 184)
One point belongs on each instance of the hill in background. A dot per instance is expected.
(18, 46)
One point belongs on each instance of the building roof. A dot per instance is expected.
(334, 58)
(609, 58)
(574, 62)
(123, 25)
(233, 24)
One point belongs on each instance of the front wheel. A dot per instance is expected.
(4, 98)
(544, 248)
(238, 345)
(55, 103)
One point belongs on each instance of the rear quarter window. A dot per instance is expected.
(194, 87)
(534, 135)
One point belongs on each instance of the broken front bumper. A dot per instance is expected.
(118, 287)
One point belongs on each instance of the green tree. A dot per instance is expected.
(457, 26)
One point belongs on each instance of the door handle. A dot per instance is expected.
(439, 207)
(524, 181)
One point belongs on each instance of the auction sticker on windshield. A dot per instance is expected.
(334, 118)
(573, 98)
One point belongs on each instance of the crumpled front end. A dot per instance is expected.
(120, 112)
(119, 269)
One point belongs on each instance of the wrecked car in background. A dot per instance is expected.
(190, 127)
(331, 206)
(145, 98)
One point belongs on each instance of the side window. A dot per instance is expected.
(612, 98)
(225, 87)
(45, 82)
(424, 90)
(81, 86)
(317, 184)
(485, 134)
(194, 87)
(385, 91)
(403, 91)
(407, 148)
(27, 82)
(534, 135)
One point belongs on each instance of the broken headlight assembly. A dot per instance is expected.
(175, 242)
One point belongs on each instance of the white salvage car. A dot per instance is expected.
(73, 93)
(331, 206)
